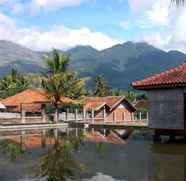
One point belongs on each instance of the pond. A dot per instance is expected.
(92, 156)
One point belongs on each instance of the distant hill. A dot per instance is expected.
(120, 64)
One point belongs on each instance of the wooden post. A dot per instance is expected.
(140, 116)
(147, 116)
(92, 116)
(104, 114)
(43, 138)
(123, 116)
(84, 113)
(66, 115)
(104, 132)
(56, 136)
(114, 117)
(22, 140)
(43, 115)
(132, 116)
(76, 119)
(75, 115)
(23, 116)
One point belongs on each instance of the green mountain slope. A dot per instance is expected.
(120, 64)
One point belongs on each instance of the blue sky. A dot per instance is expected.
(45, 24)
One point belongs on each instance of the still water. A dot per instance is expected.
(56, 156)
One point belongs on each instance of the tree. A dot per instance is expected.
(60, 80)
(13, 83)
(101, 87)
(60, 162)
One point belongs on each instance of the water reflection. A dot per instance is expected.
(59, 163)
(167, 162)
(93, 155)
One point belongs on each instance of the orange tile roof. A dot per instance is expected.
(175, 77)
(110, 101)
(32, 98)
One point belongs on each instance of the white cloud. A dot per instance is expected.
(137, 6)
(60, 37)
(160, 13)
(173, 35)
(50, 5)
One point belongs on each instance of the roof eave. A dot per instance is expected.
(159, 86)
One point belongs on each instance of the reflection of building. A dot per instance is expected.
(32, 140)
(112, 108)
(110, 137)
(167, 97)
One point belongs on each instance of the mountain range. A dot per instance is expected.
(120, 64)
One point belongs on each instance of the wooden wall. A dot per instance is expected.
(166, 108)
(119, 114)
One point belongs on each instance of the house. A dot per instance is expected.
(112, 108)
(30, 100)
(167, 98)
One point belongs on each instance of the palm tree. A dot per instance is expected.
(60, 80)
(59, 163)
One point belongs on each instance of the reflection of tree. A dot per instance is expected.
(60, 163)
(11, 149)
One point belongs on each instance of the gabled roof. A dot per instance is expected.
(2, 106)
(111, 102)
(31, 98)
(175, 77)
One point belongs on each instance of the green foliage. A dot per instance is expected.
(131, 96)
(59, 164)
(60, 80)
(11, 149)
(101, 88)
(13, 83)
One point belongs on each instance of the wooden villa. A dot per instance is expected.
(167, 98)
(28, 104)
(30, 100)
(112, 108)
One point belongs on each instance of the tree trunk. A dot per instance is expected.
(56, 115)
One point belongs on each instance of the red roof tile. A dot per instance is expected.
(110, 101)
(175, 77)
(30, 99)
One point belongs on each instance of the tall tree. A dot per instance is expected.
(101, 87)
(60, 80)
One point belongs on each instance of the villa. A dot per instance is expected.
(167, 98)
(30, 100)
(111, 108)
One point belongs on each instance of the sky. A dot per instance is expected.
(45, 24)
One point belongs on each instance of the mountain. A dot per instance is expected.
(120, 64)
(24, 59)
